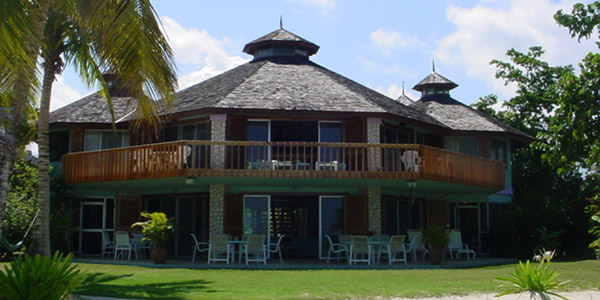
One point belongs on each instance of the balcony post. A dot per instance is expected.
(374, 207)
(216, 209)
(373, 137)
(218, 125)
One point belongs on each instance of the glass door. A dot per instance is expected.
(257, 213)
(331, 221)
(97, 217)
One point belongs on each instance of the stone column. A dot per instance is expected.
(218, 124)
(374, 206)
(373, 137)
(216, 207)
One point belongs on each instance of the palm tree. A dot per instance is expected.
(19, 22)
(122, 36)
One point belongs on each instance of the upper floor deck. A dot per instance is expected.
(283, 160)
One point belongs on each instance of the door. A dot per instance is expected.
(331, 221)
(97, 217)
(467, 221)
(257, 213)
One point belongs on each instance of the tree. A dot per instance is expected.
(120, 36)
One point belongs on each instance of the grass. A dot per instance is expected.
(149, 283)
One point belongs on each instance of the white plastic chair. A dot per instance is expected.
(378, 238)
(336, 248)
(415, 243)
(455, 244)
(122, 244)
(360, 247)
(217, 247)
(198, 247)
(108, 245)
(255, 248)
(275, 248)
(410, 160)
(395, 247)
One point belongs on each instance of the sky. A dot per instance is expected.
(378, 43)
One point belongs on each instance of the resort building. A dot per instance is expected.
(281, 145)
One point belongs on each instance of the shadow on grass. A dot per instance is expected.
(99, 284)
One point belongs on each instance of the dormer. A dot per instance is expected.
(280, 43)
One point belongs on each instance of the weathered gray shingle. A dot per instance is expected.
(93, 109)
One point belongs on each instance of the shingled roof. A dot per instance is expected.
(458, 116)
(289, 83)
(435, 79)
(282, 37)
(93, 109)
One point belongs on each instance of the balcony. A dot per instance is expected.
(282, 160)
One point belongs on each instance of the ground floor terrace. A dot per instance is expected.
(304, 210)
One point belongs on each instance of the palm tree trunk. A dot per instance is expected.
(42, 231)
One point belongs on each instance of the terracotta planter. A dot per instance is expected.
(435, 255)
(159, 254)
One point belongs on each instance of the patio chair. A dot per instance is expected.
(410, 159)
(345, 240)
(336, 248)
(138, 244)
(455, 244)
(217, 247)
(122, 244)
(275, 248)
(255, 248)
(395, 247)
(198, 247)
(378, 238)
(360, 247)
(108, 245)
(415, 243)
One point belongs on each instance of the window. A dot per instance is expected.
(498, 150)
(198, 131)
(330, 132)
(105, 139)
(59, 144)
(465, 145)
(258, 131)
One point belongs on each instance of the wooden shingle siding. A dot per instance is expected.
(356, 215)
(234, 206)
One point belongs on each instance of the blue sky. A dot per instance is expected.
(377, 43)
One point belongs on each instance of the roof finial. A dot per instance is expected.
(433, 65)
(280, 21)
(402, 88)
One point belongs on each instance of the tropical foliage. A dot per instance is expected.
(37, 277)
(528, 278)
(158, 228)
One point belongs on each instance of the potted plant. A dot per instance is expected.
(157, 229)
(436, 238)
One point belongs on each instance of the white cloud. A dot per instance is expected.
(63, 94)
(388, 40)
(322, 4)
(198, 49)
(394, 91)
(485, 33)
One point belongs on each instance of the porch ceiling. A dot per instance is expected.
(174, 185)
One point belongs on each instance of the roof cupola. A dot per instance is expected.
(280, 43)
(434, 84)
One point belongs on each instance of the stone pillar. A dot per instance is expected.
(373, 137)
(218, 124)
(374, 206)
(216, 208)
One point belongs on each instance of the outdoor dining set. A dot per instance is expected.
(126, 243)
(250, 248)
(397, 248)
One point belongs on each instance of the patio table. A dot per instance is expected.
(238, 245)
(372, 245)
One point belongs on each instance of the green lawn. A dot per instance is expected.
(150, 283)
(138, 282)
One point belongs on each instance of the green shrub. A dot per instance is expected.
(157, 228)
(40, 278)
(595, 231)
(538, 279)
(435, 236)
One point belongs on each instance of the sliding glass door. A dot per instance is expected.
(331, 221)
(257, 215)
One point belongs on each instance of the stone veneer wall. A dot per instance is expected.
(218, 125)
(216, 209)
(374, 204)
(373, 137)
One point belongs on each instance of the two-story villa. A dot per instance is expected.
(281, 145)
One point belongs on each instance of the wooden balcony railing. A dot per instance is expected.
(282, 159)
